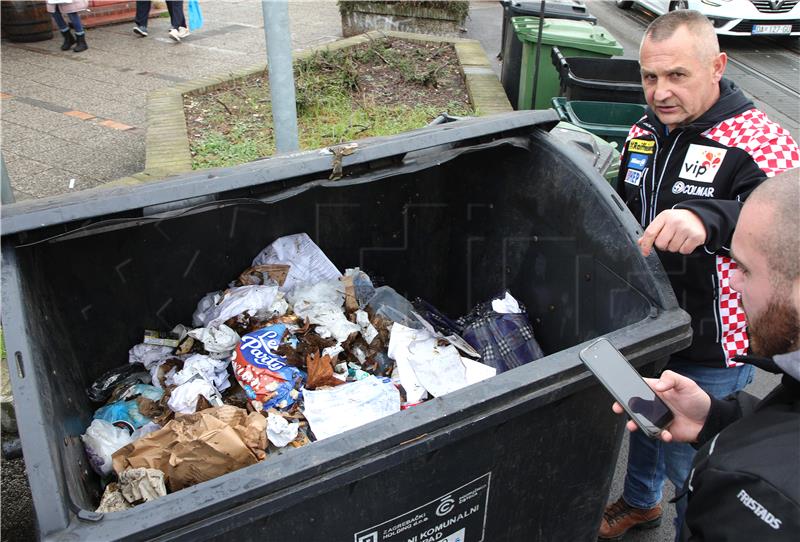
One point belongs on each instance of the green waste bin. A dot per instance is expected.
(609, 120)
(573, 38)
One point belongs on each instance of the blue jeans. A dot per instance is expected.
(651, 461)
(74, 18)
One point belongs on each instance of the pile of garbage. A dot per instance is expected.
(290, 353)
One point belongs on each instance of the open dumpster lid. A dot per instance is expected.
(210, 185)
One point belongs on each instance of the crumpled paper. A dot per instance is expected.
(399, 340)
(149, 354)
(197, 447)
(112, 500)
(438, 367)
(306, 260)
(142, 485)
(336, 410)
(322, 304)
(219, 341)
(506, 305)
(205, 306)
(279, 431)
(183, 399)
(244, 299)
(213, 370)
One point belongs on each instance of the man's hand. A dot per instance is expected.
(674, 230)
(687, 401)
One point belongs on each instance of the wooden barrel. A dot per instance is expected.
(26, 21)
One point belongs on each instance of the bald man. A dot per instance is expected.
(745, 481)
(686, 168)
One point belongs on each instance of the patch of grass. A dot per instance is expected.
(381, 88)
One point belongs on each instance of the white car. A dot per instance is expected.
(735, 17)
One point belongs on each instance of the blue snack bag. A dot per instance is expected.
(263, 374)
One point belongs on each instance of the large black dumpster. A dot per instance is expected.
(451, 213)
(511, 47)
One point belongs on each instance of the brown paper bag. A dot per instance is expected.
(197, 447)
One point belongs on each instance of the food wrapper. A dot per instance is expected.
(263, 374)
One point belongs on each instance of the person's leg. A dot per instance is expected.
(59, 19)
(176, 17)
(142, 12)
(719, 383)
(644, 478)
(63, 27)
(75, 19)
(80, 35)
(638, 507)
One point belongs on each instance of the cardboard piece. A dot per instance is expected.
(197, 447)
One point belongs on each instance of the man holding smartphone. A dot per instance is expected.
(745, 480)
(685, 169)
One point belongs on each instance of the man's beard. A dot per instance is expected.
(776, 330)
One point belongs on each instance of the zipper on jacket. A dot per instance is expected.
(663, 172)
(645, 208)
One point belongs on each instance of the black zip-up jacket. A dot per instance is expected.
(745, 481)
(708, 167)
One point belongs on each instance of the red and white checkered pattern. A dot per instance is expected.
(771, 147)
(733, 325)
(635, 131)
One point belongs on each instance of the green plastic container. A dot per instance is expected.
(609, 120)
(573, 38)
(605, 154)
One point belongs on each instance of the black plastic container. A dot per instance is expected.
(511, 47)
(451, 213)
(599, 79)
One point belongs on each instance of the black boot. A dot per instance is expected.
(69, 40)
(81, 43)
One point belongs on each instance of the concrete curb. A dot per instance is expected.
(167, 149)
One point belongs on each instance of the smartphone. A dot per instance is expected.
(622, 381)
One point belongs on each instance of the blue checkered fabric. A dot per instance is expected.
(504, 341)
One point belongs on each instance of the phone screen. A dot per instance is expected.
(619, 377)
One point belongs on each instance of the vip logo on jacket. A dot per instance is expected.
(701, 163)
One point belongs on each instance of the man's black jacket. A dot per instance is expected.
(745, 481)
(708, 167)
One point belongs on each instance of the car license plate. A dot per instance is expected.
(772, 29)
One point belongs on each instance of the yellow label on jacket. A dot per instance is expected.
(644, 146)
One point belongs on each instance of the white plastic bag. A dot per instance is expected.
(101, 440)
(322, 304)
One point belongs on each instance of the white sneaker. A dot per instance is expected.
(183, 31)
(174, 34)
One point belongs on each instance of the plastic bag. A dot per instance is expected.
(195, 16)
(101, 440)
(504, 340)
(125, 413)
(322, 304)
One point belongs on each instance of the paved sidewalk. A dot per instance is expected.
(81, 116)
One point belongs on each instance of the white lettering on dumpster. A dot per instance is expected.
(456, 516)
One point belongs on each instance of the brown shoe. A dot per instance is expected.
(619, 518)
